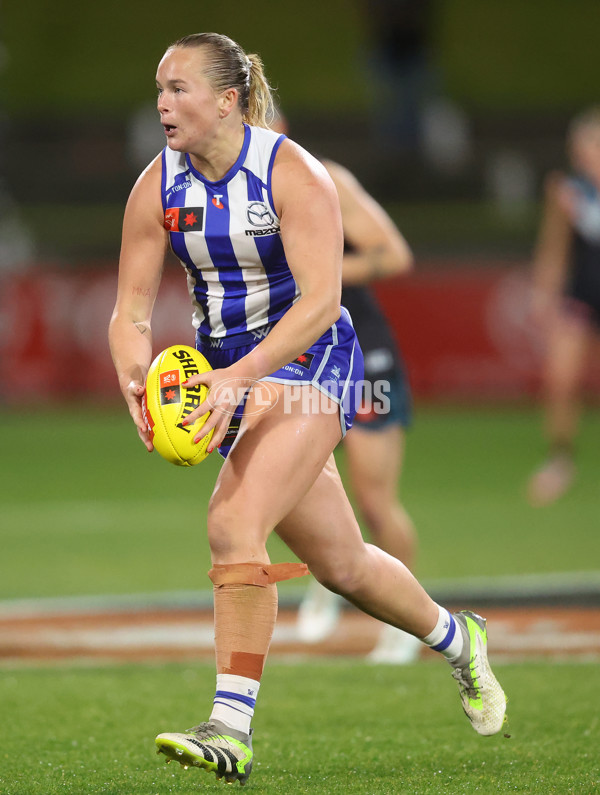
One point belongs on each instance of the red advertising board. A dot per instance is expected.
(465, 333)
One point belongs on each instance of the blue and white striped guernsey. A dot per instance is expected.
(226, 234)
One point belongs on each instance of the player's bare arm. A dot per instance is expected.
(380, 249)
(550, 260)
(311, 231)
(143, 248)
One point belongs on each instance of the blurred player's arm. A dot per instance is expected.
(143, 248)
(379, 249)
(551, 254)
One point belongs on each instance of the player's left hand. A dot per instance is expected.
(133, 394)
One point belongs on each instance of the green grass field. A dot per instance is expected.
(324, 728)
(85, 510)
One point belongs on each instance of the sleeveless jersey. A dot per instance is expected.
(584, 277)
(226, 235)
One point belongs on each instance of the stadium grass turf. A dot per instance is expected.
(329, 727)
(85, 510)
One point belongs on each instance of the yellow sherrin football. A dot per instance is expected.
(167, 402)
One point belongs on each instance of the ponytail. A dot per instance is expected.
(228, 66)
(260, 112)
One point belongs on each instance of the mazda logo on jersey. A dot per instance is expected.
(184, 219)
(258, 214)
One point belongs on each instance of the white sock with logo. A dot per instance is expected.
(234, 701)
(446, 637)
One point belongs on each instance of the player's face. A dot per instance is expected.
(188, 106)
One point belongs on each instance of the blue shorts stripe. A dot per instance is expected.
(449, 637)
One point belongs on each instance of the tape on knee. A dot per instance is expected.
(255, 573)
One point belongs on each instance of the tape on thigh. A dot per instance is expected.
(255, 573)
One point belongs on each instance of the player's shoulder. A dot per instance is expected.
(145, 199)
(265, 134)
(261, 142)
(295, 162)
(151, 175)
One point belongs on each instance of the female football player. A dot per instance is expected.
(567, 299)
(263, 254)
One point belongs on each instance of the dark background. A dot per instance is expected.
(449, 111)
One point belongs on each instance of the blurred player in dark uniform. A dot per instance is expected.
(566, 300)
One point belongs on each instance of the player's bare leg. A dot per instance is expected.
(383, 587)
(568, 350)
(273, 463)
(374, 459)
(323, 531)
(282, 461)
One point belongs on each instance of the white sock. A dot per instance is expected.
(446, 637)
(234, 701)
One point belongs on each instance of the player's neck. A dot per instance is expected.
(220, 156)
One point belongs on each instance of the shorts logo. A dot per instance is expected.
(258, 214)
(260, 333)
(184, 219)
(304, 360)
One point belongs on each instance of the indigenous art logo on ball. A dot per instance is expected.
(170, 391)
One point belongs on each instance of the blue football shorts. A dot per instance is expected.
(333, 364)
